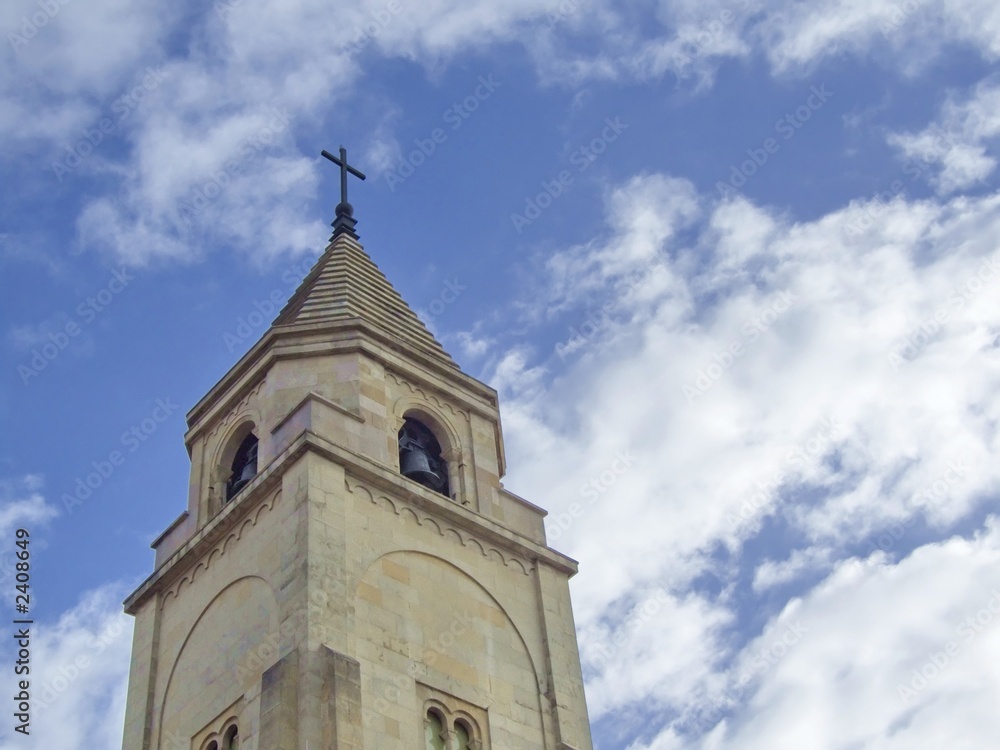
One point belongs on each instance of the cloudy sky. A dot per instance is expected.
(733, 267)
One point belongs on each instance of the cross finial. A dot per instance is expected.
(344, 221)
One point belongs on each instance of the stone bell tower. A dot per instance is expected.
(349, 573)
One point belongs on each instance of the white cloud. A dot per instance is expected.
(691, 39)
(775, 573)
(961, 145)
(859, 397)
(795, 36)
(888, 656)
(21, 504)
(64, 58)
(79, 675)
(211, 154)
(28, 337)
(242, 60)
(659, 650)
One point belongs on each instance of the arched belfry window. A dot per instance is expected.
(434, 736)
(463, 736)
(232, 740)
(420, 457)
(244, 467)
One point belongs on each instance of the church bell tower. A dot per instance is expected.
(350, 573)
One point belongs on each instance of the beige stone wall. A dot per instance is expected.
(221, 618)
(423, 620)
(432, 601)
(209, 674)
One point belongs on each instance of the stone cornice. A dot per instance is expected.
(318, 339)
(261, 490)
(217, 529)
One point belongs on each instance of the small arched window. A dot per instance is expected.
(244, 468)
(232, 740)
(435, 732)
(451, 723)
(420, 457)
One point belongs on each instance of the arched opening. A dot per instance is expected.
(420, 456)
(463, 736)
(244, 467)
(232, 740)
(434, 736)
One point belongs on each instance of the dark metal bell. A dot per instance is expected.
(416, 464)
(249, 472)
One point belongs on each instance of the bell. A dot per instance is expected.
(249, 472)
(416, 464)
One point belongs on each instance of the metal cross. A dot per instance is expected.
(344, 169)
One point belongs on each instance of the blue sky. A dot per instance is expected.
(732, 267)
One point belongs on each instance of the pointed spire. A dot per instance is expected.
(346, 286)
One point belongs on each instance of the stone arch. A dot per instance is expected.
(421, 619)
(243, 425)
(430, 416)
(223, 453)
(212, 666)
(453, 450)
